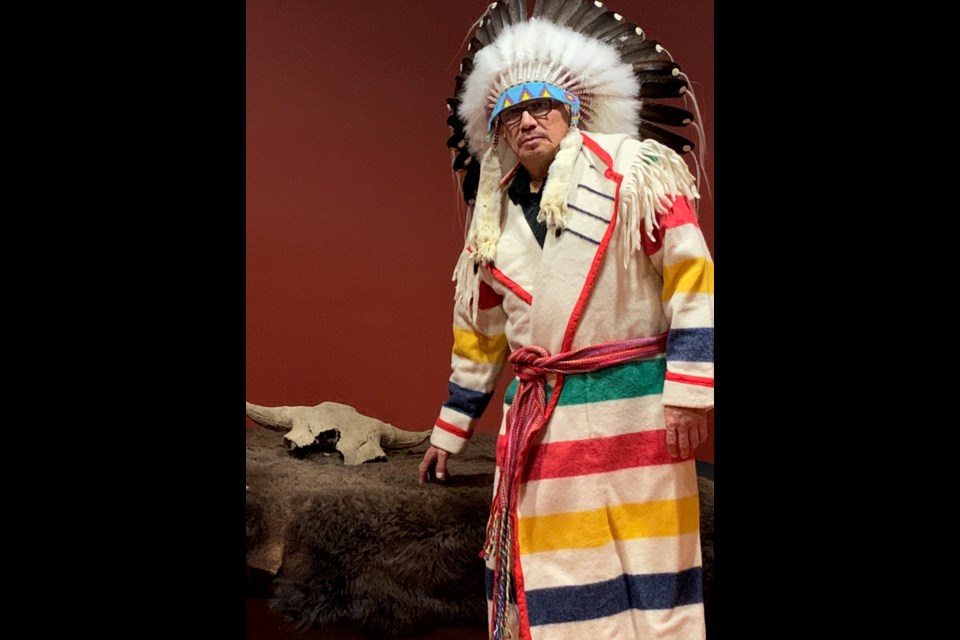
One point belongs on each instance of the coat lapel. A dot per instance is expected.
(571, 259)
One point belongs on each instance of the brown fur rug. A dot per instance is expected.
(367, 545)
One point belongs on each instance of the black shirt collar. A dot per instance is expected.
(519, 189)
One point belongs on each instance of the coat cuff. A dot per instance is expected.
(450, 437)
(680, 390)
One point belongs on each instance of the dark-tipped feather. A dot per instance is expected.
(457, 141)
(545, 8)
(468, 54)
(462, 160)
(557, 11)
(510, 12)
(672, 71)
(629, 38)
(453, 106)
(568, 9)
(654, 87)
(676, 142)
(454, 123)
(471, 180)
(466, 67)
(664, 67)
(484, 32)
(665, 114)
(587, 14)
(473, 46)
(616, 30)
(578, 14)
(495, 16)
(638, 56)
(639, 50)
(603, 23)
(517, 10)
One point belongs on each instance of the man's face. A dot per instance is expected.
(536, 134)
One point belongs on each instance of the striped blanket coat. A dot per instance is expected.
(609, 542)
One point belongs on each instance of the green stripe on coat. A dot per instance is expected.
(630, 380)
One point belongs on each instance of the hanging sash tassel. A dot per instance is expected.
(524, 419)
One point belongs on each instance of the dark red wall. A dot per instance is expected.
(353, 218)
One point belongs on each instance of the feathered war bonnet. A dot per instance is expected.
(573, 51)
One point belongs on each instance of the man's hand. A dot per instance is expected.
(434, 465)
(686, 429)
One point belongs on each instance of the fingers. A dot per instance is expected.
(434, 463)
(672, 440)
(686, 430)
(426, 465)
(694, 434)
(697, 431)
(683, 435)
(442, 464)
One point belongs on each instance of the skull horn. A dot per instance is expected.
(393, 438)
(274, 418)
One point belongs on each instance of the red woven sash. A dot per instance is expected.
(524, 419)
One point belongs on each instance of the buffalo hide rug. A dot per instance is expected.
(368, 546)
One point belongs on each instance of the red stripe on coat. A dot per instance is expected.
(488, 297)
(510, 284)
(681, 377)
(599, 455)
(679, 214)
(598, 150)
(457, 431)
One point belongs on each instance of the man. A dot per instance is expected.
(586, 269)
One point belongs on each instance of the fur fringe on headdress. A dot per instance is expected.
(553, 203)
(467, 276)
(483, 235)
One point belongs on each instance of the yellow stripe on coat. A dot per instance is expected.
(689, 276)
(597, 527)
(478, 347)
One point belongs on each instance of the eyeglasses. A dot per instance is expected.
(537, 108)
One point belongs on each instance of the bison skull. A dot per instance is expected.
(358, 437)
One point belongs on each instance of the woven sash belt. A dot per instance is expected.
(524, 419)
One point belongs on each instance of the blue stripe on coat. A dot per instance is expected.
(690, 345)
(580, 235)
(584, 211)
(583, 186)
(602, 599)
(467, 401)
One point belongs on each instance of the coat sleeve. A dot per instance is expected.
(680, 255)
(479, 352)
(656, 197)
